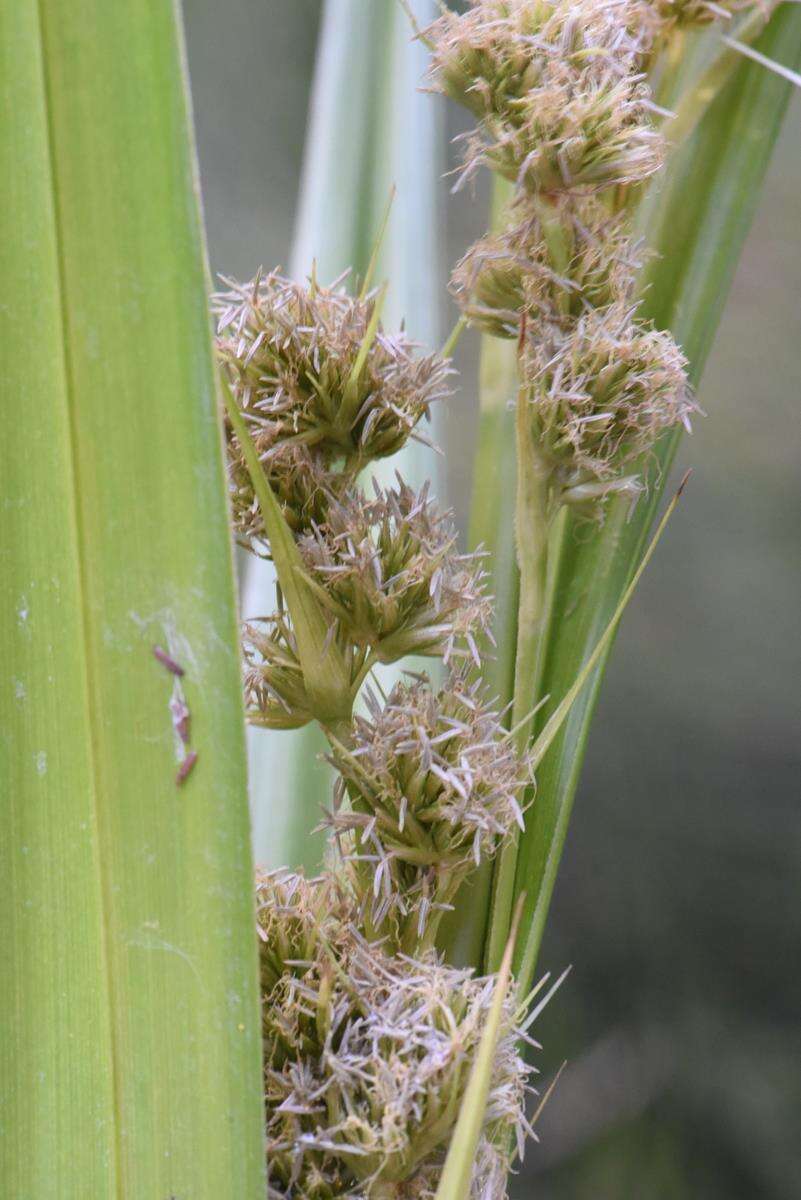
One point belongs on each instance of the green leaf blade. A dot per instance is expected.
(457, 1172)
(48, 854)
(128, 991)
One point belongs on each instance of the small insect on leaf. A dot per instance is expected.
(186, 767)
(164, 658)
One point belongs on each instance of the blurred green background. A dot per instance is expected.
(678, 900)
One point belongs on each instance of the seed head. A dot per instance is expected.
(600, 395)
(306, 362)
(432, 780)
(390, 574)
(367, 1056)
(555, 88)
(582, 258)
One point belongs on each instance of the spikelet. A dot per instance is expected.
(555, 88)
(307, 363)
(599, 397)
(686, 14)
(432, 779)
(275, 690)
(302, 484)
(554, 269)
(389, 572)
(366, 1056)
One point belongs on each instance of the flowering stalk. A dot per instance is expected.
(560, 98)
(360, 1009)
(370, 1037)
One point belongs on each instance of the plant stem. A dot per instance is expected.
(463, 931)
(532, 521)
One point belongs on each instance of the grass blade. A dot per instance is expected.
(457, 1173)
(128, 992)
(699, 224)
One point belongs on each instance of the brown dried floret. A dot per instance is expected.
(314, 365)
(554, 261)
(388, 570)
(600, 395)
(432, 781)
(555, 88)
(367, 1056)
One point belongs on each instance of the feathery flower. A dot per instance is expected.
(314, 365)
(388, 571)
(555, 88)
(600, 395)
(432, 780)
(367, 1056)
(555, 264)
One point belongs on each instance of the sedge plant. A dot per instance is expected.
(389, 1070)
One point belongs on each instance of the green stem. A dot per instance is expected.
(491, 518)
(532, 522)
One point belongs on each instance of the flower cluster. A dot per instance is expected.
(367, 1056)
(369, 1036)
(324, 389)
(556, 90)
(564, 112)
(389, 572)
(600, 399)
(694, 13)
(429, 786)
(554, 264)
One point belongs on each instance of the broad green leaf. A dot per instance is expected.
(697, 227)
(130, 1060)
